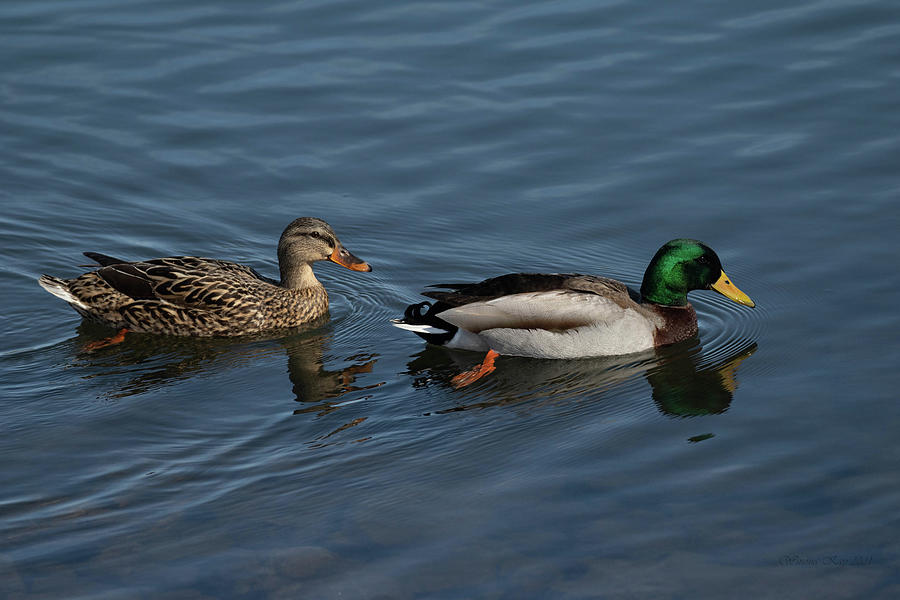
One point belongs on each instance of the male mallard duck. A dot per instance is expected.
(570, 315)
(187, 295)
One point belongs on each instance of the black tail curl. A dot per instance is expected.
(414, 315)
(423, 313)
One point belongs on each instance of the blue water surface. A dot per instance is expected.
(445, 142)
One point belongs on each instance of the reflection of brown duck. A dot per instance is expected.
(159, 361)
(313, 384)
(681, 384)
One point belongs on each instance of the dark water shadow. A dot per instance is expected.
(685, 381)
(146, 362)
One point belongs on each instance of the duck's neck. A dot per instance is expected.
(298, 276)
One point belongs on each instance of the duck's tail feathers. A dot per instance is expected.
(60, 289)
(104, 260)
(416, 328)
(421, 320)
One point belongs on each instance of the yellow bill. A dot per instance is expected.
(730, 291)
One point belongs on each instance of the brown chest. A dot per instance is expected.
(679, 323)
(295, 307)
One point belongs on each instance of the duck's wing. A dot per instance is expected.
(555, 302)
(185, 281)
(458, 294)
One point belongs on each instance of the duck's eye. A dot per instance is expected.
(327, 239)
(703, 260)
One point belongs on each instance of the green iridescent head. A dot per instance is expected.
(683, 265)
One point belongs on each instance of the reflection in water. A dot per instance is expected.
(313, 384)
(684, 382)
(152, 361)
(684, 387)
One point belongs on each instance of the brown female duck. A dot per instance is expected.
(187, 295)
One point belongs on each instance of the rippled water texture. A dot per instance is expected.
(446, 142)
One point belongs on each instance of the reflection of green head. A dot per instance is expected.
(682, 388)
(678, 267)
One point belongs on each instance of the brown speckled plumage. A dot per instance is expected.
(188, 295)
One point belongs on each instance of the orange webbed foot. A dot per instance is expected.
(110, 341)
(469, 377)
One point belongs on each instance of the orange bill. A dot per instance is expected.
(345, 258)
(730, 291)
